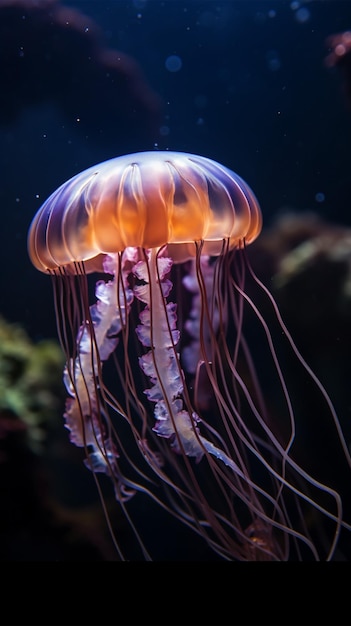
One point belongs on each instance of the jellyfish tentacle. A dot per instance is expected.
(96, 339)
(191, 354)
(158, 331)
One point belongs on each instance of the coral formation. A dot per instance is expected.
(30, 383)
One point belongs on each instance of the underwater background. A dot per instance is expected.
(252, 84)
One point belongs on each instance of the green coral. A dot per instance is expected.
(30, 381)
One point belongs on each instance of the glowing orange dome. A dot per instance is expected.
(147, 200)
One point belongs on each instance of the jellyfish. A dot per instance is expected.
(168, 393)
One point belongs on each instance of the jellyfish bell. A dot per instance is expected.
(146, 200)
(163, 391)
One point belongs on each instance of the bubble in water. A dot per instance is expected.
(319, 197)
(273, 60)
(173, 63)
(302, 15)
(164, 130)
